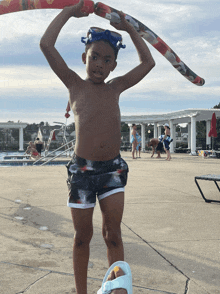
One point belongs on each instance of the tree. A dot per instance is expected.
(217, 106)
(124, 127)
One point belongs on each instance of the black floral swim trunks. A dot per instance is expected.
(87, 178)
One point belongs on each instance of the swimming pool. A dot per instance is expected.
(19, 159)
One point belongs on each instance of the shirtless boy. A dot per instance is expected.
(166, 140)
(97, 168)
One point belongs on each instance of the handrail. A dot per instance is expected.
(56, 156)
(55, 151)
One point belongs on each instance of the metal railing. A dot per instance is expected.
(49, 160)
(49, 154)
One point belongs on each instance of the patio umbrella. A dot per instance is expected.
(213, 131)
(39, 135)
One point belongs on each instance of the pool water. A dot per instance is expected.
(4, 161)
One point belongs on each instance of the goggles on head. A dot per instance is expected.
(97, 34)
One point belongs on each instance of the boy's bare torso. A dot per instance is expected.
(97, 120)
(94, 102)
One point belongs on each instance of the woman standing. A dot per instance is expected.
(134, 141)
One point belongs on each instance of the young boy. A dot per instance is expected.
(97, 167)
(166, 141)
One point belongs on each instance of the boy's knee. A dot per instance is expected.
(112, 237)
(82, 238)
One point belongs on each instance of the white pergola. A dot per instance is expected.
(18, 125)
(188, 116)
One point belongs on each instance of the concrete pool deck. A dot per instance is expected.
(171, 235)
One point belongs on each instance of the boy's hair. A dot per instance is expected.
(106, 41)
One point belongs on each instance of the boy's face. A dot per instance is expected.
(100, 61)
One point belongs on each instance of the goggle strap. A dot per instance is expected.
(105, 35)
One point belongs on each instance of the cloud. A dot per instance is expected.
(190, 28)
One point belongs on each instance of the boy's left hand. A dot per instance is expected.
(124, 25)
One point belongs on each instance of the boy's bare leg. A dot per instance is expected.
(82, 221)
(153, 150)
(158, 154)
(112, 210)
(168, 155)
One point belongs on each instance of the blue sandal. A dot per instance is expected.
(124, 282)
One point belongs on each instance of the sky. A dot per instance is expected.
(31, 92)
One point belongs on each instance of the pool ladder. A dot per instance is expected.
(69, 148)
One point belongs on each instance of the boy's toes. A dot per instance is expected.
(118, 272)
(111, 276)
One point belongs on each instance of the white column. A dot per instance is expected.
(159, 131)
(193, 135)
(189, 135)
(155, 130)
(130, 127)
(21, 139)
(173, 135)
(208, 127)
(143, 137)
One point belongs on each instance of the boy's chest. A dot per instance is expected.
(91, 101)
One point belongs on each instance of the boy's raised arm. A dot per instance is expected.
(146, 60)
(47, 43)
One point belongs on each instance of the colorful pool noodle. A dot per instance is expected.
(107, 12)
(112, 15)
(8, 6)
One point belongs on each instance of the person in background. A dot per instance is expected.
(134, 141)
(138, 148)
(156, 146)
(31, 149)
(166, 141)
(39, 145)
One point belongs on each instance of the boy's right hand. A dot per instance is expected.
(76, 10)
(123, 25)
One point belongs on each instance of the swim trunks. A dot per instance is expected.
(159, 146)
(167, 142)
(87, 178)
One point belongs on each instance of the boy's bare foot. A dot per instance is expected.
(113, 275)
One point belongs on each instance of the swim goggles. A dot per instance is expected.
(97, 34)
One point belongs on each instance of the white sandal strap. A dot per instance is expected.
(120, 282)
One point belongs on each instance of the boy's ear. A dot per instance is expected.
(84, 58)
(114, 65)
